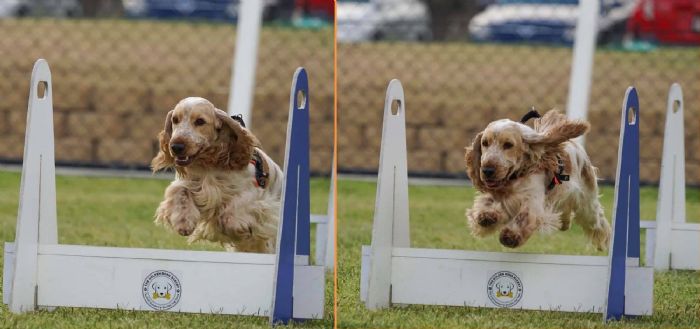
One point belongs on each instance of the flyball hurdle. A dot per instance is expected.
(395, 273)
(671, 243)
(325, 230)
(40, 272)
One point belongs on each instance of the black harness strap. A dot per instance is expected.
(529, 115)
(261, 169)
(559, 177)
(261, 172)
(239, 118)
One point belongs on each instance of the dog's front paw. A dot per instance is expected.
(181, 220)
(238, 229)
(510, 238)
(185, 221)
(184, 228)
(487, 218)
(483, 222)
(178, 212)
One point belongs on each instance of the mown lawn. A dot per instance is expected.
(437, 221)
(119, 212)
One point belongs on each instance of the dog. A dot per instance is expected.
(534, 179)
(226, 189)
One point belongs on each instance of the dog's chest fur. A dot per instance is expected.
(212, 190)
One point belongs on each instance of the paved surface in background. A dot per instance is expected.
(97, 172)
(411, 180)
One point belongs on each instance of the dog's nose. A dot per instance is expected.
(488, 171)
(177, 148)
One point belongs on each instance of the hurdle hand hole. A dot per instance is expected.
(631, 116)
(676, 106)
(395, 107)
(301, 100)
(41, 89)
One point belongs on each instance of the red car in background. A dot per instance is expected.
(318, 8)
(666, 21)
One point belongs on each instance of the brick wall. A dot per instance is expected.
(115, 80)
(453, 90)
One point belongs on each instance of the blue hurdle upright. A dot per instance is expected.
(394, 273)
(39, 272)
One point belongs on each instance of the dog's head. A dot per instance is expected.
(198, 134)
(506, 149)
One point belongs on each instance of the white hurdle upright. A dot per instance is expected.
(671, 243)
(40, 272)
(325, 229)
(394, 273)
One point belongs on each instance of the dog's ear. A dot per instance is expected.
(153, 286)
(555, 129)
(238, 142)
(473, 160)
(163, 159)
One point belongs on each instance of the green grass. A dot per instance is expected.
(437, 221)
(119, 212)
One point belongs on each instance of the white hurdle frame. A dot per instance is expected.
(325, 230)
(671, 243)
(394, 273)
(41, 273)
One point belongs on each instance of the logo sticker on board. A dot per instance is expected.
(504, 289)
(161, 290)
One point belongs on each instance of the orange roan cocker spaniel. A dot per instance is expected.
(534, 179)
(226, 189)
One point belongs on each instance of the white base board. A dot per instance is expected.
(684, 243)
(549, 282)
(211, 282)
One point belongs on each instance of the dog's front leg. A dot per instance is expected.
(486, 215)
(533, 216)
(178, 210)
(251, 225)
(236, 223)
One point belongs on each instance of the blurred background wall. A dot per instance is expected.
(466, 63)
(118, 66)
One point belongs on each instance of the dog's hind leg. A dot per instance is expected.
(591, 217)
(565, 220)
(589, 213)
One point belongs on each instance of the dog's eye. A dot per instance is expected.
(199, 122)
(484, 143)
(507, 145)
(176, 120)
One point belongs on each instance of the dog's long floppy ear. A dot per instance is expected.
(163, 159)
(239, 142)
(473, 160)
(554, 128)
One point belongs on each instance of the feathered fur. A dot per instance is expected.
(512, 164)
(214, 195)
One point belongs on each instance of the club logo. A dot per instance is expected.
(161, 290)
(504, 289)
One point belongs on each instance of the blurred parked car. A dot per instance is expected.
(221, 10)
(362, 20)
(552, 21)
(54, 8)
(323, 9)
(666, 21)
